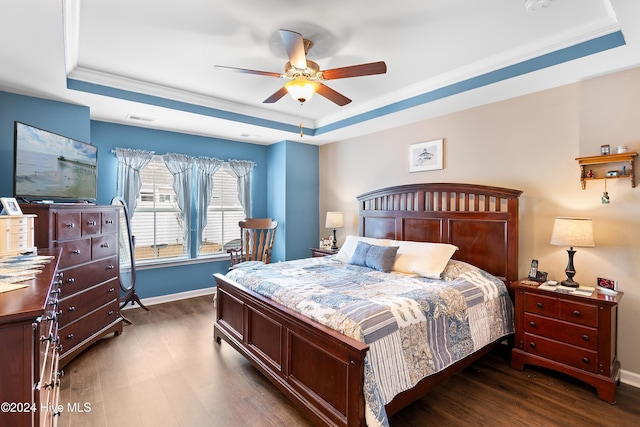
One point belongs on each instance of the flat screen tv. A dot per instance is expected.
(53, 167)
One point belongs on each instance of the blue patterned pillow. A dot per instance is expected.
(380, 258)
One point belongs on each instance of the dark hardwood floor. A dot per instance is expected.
(166, 370)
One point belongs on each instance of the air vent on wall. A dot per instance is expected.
(140, 118)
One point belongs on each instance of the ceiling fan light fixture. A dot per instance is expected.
(301, 89)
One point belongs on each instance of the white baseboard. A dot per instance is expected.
(630, 378)
(173, 297)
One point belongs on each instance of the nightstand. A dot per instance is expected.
(316, 252)
(571, 334)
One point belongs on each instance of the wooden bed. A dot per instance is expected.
(321, 370)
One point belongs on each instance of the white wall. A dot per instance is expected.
(528, 143)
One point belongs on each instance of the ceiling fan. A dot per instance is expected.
(305, 77)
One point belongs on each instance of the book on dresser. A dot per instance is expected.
(89, 302)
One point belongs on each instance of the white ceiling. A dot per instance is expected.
(155, 58)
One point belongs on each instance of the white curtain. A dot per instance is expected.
(242, 169)
(181, 167)
(130, 162)
(206, 167)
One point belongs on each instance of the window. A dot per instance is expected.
(157, 223)
(222, 231)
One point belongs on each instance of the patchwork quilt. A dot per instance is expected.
(414, 326)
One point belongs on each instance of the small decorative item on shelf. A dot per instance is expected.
(613, 173)
(622, 149)
(591, 174)
(605, 195)
(605, 149)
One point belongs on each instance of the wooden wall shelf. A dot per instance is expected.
(605, 159)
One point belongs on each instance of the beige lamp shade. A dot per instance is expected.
(334, 220)
(573, 232)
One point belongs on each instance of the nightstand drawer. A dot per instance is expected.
(540, 304)
(575, 312)
(560, 352)
(577, 335)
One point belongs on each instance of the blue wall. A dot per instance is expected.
(288, 166)
(294, 180)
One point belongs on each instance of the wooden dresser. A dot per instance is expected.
(571, 334)
(29, 378)
(89, 293)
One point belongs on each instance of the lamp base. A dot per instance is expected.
(570, 283)
(335, 242)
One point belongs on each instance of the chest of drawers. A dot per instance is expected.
(89, 292)
(16, 234)
(29, 378)
(571, 334)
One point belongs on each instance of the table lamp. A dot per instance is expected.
(572, 232)
(334, 220)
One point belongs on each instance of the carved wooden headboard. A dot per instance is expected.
(481, 221)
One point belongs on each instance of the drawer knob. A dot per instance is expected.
(71, 280)
(532, 344)
(532, 324)
(585, 360)
(576, 313)
(111, 290)
(585, 337)
(91, 223)
(70, 336)
(110, 312)
(109, 221)
(539, 305)
(104, 245)
(76, 251)
(70, 225)
(110, 267)
(72, 308)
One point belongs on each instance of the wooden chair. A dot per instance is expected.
(256, 241)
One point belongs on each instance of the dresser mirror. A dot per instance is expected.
(127, 258)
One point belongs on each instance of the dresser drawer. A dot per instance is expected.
(86, 301)
(85, 276)
(75, 252)
(74, 334)
(540, 304)
(103, 246)
(581, 336)
(109, 221)
(560, 352)
(575, 312)
(68, 225)
(90, 223)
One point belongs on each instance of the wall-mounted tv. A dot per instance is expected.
(53, 167)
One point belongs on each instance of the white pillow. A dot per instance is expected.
(423, 258)
(349, 247)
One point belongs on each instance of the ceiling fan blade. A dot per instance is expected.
(332, 95)
(294, 45)
(276, 96)
(247, 71)
(355, 71)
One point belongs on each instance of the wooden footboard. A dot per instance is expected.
(320, 370)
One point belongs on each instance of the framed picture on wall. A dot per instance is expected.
(425, 156)
(10, 206)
